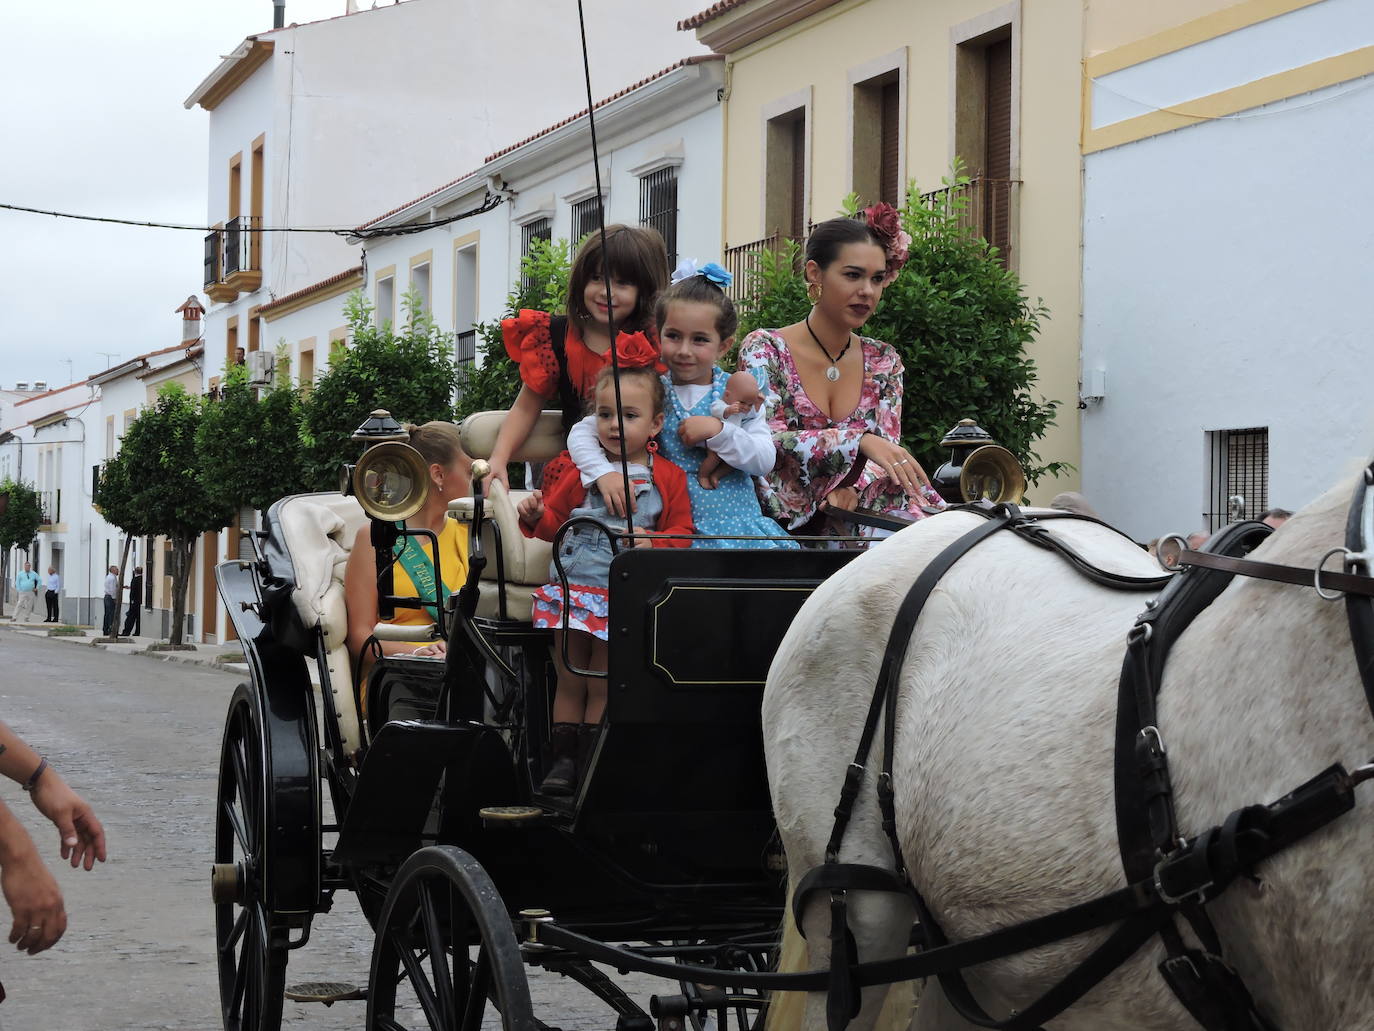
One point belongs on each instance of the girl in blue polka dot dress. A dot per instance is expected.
(696, 324)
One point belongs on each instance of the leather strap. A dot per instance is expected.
(1359, 610)
(1350, 583)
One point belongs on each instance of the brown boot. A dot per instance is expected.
(562, 775)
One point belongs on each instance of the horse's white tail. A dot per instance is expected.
(786, 1010)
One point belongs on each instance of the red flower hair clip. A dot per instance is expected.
(634, 350)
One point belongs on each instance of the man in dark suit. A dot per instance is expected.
(132, 620)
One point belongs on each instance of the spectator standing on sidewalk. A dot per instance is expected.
(26, 583)
(133, 621)
(54, 586)
(111, 623)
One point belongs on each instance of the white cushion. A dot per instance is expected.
(545, 442)
(319, 530)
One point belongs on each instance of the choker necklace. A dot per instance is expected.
(832, 373)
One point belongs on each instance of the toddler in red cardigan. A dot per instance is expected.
(662, 506)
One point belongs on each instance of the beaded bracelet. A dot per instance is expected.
(32, 782)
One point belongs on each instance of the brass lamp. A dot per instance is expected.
(979, 469)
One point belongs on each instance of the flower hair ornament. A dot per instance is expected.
(633, 350)
(711, 272)
(886, 224)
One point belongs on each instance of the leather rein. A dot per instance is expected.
(1168, 877)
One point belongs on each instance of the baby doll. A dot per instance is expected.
(740, 406)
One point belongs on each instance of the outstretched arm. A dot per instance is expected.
(81, 835)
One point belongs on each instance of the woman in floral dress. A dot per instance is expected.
(834, 397)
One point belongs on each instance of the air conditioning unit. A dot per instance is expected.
(260, 367)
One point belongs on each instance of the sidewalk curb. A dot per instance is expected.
(212, 656)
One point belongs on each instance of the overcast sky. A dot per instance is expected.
(93, 123)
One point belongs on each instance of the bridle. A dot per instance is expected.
(1168, 876)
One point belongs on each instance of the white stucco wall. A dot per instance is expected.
(544, 178)
(1227, 285)
(364, 112)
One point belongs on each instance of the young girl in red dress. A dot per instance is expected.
(560, 356)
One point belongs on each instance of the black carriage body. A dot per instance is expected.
(671, 835)
(672, 830)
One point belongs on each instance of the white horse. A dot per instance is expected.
(1003, 765)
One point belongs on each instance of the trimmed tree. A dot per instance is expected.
(411, 374)
(155, 486)
(21, 514)
(250, 446)
(960, 321)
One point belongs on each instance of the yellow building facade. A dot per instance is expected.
(825, 97)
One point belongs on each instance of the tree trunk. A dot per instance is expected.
(119, 608)
(182, 550)
(5, 580)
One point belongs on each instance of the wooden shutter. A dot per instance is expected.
(997, 146)
(796, 218)
(888, 186)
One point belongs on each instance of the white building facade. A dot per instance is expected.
(318, 126)
(659, 142)
(1228, 224)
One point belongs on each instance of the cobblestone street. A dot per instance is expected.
(139, 738)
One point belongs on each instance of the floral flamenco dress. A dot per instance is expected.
(585, 551)
(558, 366)
(817, 454)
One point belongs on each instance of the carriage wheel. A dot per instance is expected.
(442, 909)
(250, 941)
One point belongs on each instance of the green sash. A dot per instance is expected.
(420, 569)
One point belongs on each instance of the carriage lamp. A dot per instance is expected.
(391, 479)
(979, 469)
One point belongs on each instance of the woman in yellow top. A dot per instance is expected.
(449, 467)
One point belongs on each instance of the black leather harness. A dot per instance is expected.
(1167, 876)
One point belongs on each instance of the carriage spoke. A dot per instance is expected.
(231, 813)
(240, 982)
(415, 970)
(478, 987)
(240, 922)
(438, 955)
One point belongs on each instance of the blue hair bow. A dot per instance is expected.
(711, 272)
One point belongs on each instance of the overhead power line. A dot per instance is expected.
(491, 201)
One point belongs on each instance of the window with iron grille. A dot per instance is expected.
(658, 207)
(1239, 475)
(539, 229)
(465, 350)
(585, 216)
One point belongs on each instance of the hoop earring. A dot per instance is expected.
(814, 291)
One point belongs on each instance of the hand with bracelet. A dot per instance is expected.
(35, 901)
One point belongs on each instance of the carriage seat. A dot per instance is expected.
(317, 533)
(523, 560)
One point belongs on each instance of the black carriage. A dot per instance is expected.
(438, 827)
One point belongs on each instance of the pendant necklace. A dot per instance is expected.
(832, 373)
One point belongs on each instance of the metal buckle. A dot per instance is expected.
(1170, 559)
(1317, 573)
(1153, 732)
(1199, 893)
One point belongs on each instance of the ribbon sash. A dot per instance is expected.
(420, 568)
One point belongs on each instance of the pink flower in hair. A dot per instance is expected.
(886, 224)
